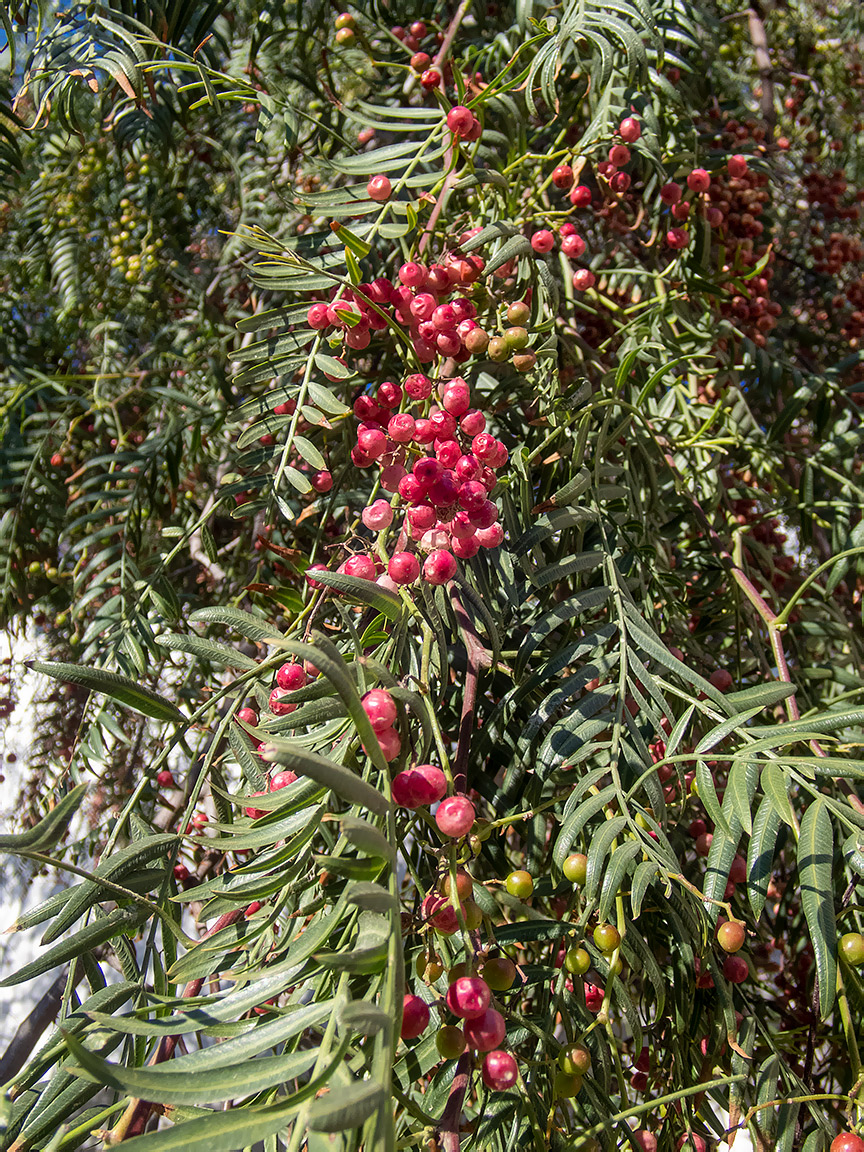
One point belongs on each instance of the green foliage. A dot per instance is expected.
(659, 666)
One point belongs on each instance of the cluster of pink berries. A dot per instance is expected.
(423, 301)
(483, 1029)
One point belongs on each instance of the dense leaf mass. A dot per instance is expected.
(431, 469)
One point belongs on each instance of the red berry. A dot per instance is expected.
(721, 680)
(418, 29)
(581, 196)
(455, 816)
(360, 566)
(847, 1142)
(403, 567)
(562, 177)
(282, 780)
(379, 188)
(439, 566)
(430, 79)
(164, 779)
(738, 870)
(619, 155)
(645, 1140)
(468, 997)
(321, 481)
(248, 716)
(735, 969)
(736, 165)
(378, 515)
(391, 743)
(543, 241)
(630, 130)
(420, 786)
(699, 180)
(583, 279)
(485, 1032)
(460, 120)
(500, 1070)
(420, 61)
(415, 1017)
(677, 238)
(702, 843)
(593, 997)
(278, 705)
(381, 709)
(573, 245)
(181, 873)
(670, 193)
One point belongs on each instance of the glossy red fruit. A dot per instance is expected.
(418, 787)
(403, 568)
(282, 779)
(181, 873)
(164, 779)
(255, 813)
(670, 193)
(678, 238)
(583, 279)
(291, 677)
(699, 180)
(619, 155)
(247, 716)
(439, 566)
(581, 196)
(415, 1017)
(630, 130)
(543, 241)
(500, 1070)
(645, 1140)
(692, 1143)
(735, 969)
(277, 703)
(469, 997)
(736, 165)
(391, 743)
(381, 709)
(847, 1142)
(460, 120)
(485, 1032)
(454, 816)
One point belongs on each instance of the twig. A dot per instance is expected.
(763, 62)
(30, 1029)
(449, 1127)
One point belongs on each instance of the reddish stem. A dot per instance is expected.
(449, 1127)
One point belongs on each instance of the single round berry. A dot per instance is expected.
(852, 948)
(630, 130)
(164, 779)
(454, 816)
(670, 193)
(415, 1017)
(575, 868)
(543, 241)
(562, 177)
(573, 245)
(577, 961)
(735, 969)
(344, 20)
(731, 936)
(575, 1059)
(567, 1084)
(520, 884)
(702, 843)
(278, 705)
(581, 196)
(645, 1140)
(736, 165)
(721, 680)
(283, 779)
(460, 120)
(499, 972)
(439, 567)
(450, 1042)
(359, 566)
(464, 885)
(583, 279)
(485, 1032)
(391, 743)
(847, 1142)
(468, 997)
(403, 568)
(378, 515)
(430, 79)
(698, 180)
(619, 155)
(500, 1070)
(607, 937)
(345, 37)
(678, 238)
(381, 709)
(379, 188)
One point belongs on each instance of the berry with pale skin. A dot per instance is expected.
(583, 279)
(381, 709)
(520, 884)
(645, 1140)
(485, 1032)
(450, 1042)
(607, 937)
(391, 743)
(418, 787)
(499, 972)
(731, 936)
(439, 567)
(454, 816)
(441, 914)
(415, 1017)
(379, 188)
(500, 1070)
(468, 997)
(378, 515)
(575, 868)
(852, 948)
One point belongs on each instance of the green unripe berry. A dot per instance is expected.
(577, 961)
(607, 937)
(520, 884)
(567, 1085)
(575, 1060)
(852, 948)
(576, 868)
(499, 972)
(516, 338)
(518, 312)
(450, 1042)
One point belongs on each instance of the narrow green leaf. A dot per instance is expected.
(345, 1107)
(120, 688)
(815, 862)
(120, 921)
(338, 779)
(254, 628)
(366, 591)
(44, 835)
(760, 854)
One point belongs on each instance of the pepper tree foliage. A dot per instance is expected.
(659, 666)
